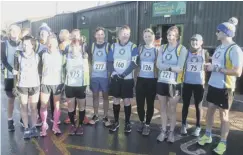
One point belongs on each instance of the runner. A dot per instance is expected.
(51, 82)
(44, 32)
(170, 62)
(226, 66)
(194, 80)
(26, 62)
(77, 79)
(122, 60)
(146, 81)
(99, 75)
(8, 49)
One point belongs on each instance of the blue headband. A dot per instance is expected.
(226, 30)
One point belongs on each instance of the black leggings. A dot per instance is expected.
(198, 91)
(145, 89)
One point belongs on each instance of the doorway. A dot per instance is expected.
(163, 28)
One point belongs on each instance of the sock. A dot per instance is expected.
(57, 114)
(81, 117)
(43, 114)
(71, 117)
(10, 119)
(223, 141)
(116, 110)
(127, 110)
(208, 133)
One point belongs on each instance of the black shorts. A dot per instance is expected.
(222, 98)
(169, 90)
(55, 89)
(8, 85)
(75, 92)
(28, 90)
(121, 88)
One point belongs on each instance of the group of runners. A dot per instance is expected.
(39, 71)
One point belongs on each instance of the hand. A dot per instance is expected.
(85, 55)
(113, 73)
(15, 72)
(208, 67)
(15, 92)
(121, 76)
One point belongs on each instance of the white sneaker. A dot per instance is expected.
(183, 130)
(197, 132)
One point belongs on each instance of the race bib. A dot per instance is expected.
(99, 66)
(167, 76)
(76, 73)
(194, 67)
(120, 64)
(51, 71)
(147, 66)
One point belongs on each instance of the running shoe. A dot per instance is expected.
(106, 122)
(197, 132)
(44, 128)
(114, 126)
(204, 140)
(127, 128)
(94, 120)
(183, 129)
(140, 126)
(220, 149)
(11, 126)
(86, 120)
(67, 120)
(171, 137)
(162, 136)
(27, 133)
(56, 130)
(34, 132)
(80, 130)
(72, 130)
(146, 130)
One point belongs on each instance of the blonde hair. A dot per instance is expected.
(148, 30)
(24, 32)
(64, 33)
(174, 29)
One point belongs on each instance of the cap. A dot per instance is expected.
(198, 37)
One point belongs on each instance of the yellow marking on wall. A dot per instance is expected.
(85, 148)
(172, 153)
(41, 151)
(60, 145)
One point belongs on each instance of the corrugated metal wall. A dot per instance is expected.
(201, 17)
(110, 17)
(56, 23)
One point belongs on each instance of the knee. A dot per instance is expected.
(225, 116)
(127, 102)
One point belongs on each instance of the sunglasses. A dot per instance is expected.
(217, 31)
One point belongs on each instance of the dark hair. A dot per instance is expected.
(100, 28)
(125, 27)
(27, 37)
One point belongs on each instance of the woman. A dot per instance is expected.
(194, 80)
(51, 82)
(226, 67)
(170, 62)
(77, 79)
(146, 81)
(28, 84)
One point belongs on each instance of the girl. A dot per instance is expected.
(170, 62)
(194, 79)
(146, 81)
(51, 82)
(28, 83)
(77, 79)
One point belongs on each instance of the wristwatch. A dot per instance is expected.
(169, 69)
